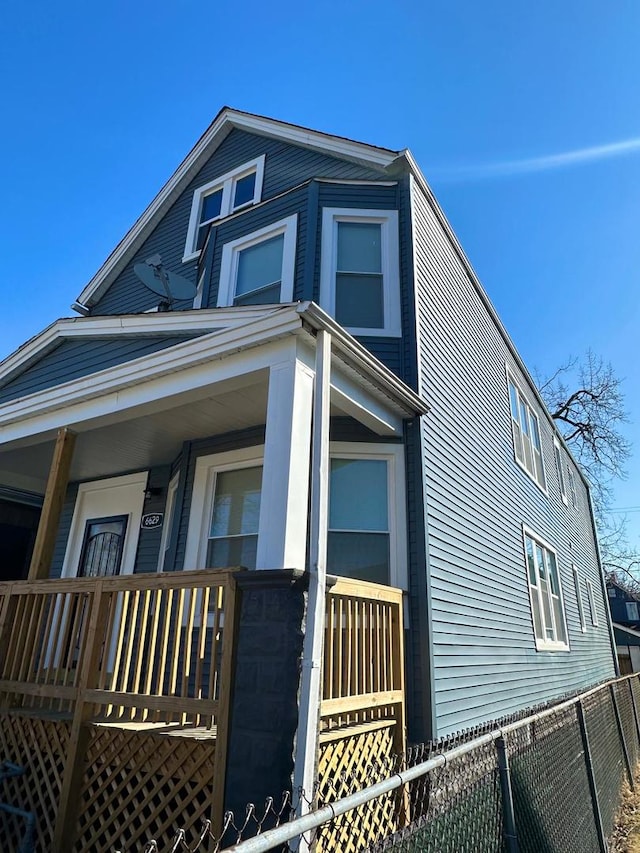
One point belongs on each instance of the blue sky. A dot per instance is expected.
(102, 101)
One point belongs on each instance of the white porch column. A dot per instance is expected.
(285, 478)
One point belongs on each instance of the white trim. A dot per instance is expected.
(393, 454)
(282, 543)
(169, 515)
(224, 122)
(226, 183)
(207, 467)
(592, 603)
(150, 324)
(545, 645)
(557, 454)
(231, 252)
(229, 352)
(522, 397)
(113, 496)
(578, 586)
(390, 258)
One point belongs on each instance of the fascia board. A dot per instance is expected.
(134, 325)
(359, 358)
(206, 348)
(204, 148)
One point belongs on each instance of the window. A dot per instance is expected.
(611, 592)
(228, 193)
(259, 269)
(572, 485)
(360, 272)
(632, 611)
(576, 580)
(547, 608)
(102, 547)
(592, 603)
(235, 513)
(526, 435)
(367, 523)
(559, 466)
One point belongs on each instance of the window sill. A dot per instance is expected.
(551, 646)
(192, 257)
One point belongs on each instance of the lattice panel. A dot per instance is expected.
(40, 747)
(140, 786)
(349, 761)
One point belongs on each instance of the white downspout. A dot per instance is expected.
(304, 776)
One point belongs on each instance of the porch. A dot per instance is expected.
(119, 695)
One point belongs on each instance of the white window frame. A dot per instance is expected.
(231, 254)
(518, 437)
(572, 485)
(542, 644)
(169, 515)
(557, 452)
(393, 455)
(578, 586)
(226, 183)
(390, 257)
(592, 603)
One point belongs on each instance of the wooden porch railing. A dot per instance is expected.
(147, 648)
(362, 726)
(364, 650)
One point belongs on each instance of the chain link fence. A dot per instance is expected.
(549, 782)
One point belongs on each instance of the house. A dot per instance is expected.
(625, 615)
(326, 295)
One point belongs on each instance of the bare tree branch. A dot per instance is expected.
(585, 398)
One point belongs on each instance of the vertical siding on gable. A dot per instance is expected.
(286, 166)
(478, 498)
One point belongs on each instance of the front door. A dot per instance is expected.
(103, 538)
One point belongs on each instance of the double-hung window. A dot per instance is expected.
(526, 435)
(547, 608)
(360, 272)
(233, 191)
(367, 521)
(258, 269)
(560, 470)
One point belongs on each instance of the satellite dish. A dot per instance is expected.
(165, 283)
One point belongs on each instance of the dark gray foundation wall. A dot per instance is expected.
(271, 619)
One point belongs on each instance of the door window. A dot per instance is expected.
(102, 547)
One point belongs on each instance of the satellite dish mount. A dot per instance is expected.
(172, 287)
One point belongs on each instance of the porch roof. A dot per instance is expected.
(137, 413)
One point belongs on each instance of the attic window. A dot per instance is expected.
(230, 192)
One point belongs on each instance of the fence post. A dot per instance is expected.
(635, 709)
(508, 814)
(616, 709)
(602, 841)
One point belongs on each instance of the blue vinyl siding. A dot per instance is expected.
(485, 661)
(286, 166)
(72, 359)
(64, 529)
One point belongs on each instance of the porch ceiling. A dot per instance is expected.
(152, 438)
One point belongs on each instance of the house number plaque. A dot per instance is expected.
(152, 520)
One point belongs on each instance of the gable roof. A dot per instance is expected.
(226, 120)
